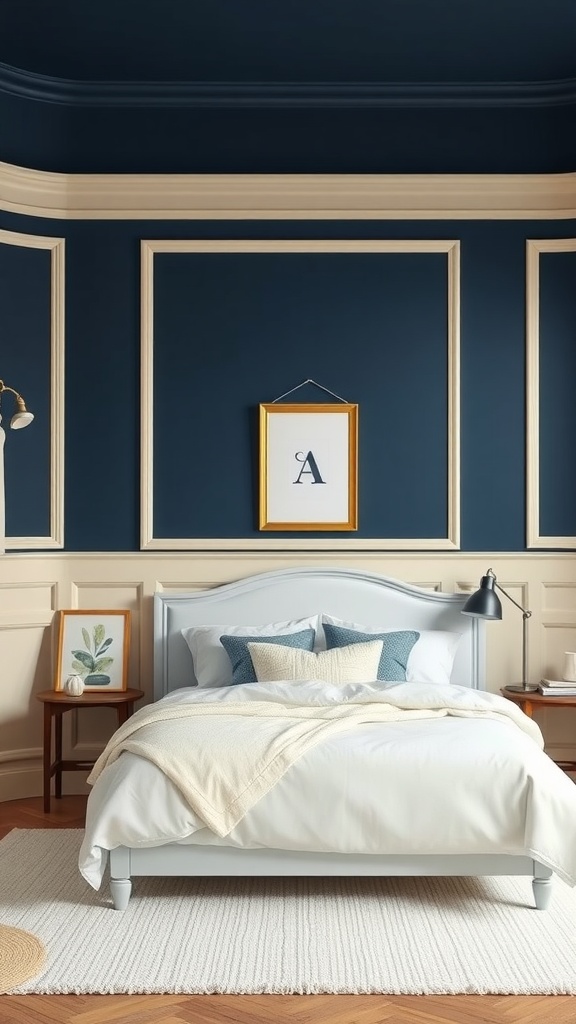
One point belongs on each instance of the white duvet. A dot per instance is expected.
(434, 785)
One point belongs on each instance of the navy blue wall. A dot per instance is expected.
(372, 331)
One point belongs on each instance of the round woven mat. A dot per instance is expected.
(22, 956)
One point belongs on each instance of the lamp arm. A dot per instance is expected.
(4, 387)
(524, 611)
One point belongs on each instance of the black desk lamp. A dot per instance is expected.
(485, 604)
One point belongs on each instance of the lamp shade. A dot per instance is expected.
(484, 603)
(21, 419)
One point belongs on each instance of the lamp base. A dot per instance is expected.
(521, 688)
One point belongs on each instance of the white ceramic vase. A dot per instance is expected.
(74, 686)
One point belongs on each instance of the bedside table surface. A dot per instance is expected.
(98, 697)
(535, 697)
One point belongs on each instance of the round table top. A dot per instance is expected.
(90, 697)
(519, 697)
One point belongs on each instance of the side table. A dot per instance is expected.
(56, 703)
(534, 699)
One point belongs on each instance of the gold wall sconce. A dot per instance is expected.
(21, 417)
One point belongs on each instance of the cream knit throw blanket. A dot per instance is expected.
(225, 756)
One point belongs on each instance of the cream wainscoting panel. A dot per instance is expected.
(148, 542)
(534, 539)
(64, 196)
(33, 586)
(55, 428)
(26, 656)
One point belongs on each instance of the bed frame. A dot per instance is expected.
(349, 594)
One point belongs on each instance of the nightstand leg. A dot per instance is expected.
(124, 712)
(47, 755)
(58, 744)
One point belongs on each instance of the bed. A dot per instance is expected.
(311, 822)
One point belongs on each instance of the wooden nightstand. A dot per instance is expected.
(56, 703)
(534, 699)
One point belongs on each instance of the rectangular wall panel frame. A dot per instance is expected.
(56, 247)
(149, 248)
(534, 539)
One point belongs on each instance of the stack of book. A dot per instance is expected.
(557, 688)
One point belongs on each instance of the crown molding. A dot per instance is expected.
(30, 85)
(36, 193)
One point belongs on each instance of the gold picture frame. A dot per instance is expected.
(95, 644)
(308, 467)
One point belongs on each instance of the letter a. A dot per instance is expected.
(308, 460)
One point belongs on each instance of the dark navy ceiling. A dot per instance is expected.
(296, 40)
(390, 86)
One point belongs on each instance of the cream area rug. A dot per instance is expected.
(256, 935)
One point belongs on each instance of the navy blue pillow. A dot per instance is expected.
(236, 648)
(395, 648)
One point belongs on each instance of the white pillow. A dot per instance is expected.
(357, 663)
(431, 659)
(212, 666)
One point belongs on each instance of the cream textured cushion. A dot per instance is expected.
(357, 663)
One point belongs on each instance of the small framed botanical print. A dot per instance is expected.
(309, 467)
(94, 645)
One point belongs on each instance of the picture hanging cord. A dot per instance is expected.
(316, 385)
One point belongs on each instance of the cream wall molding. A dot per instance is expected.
(55, 429)
(37, 193)
(534, 247)
(148, 251)
(10, 562)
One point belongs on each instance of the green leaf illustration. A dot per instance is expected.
(104, 646)
(86, 659)
(102, 664)
(86, 636)
(80, 668)
(99, 634)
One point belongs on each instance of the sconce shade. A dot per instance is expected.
(484, 603)
(21, 417)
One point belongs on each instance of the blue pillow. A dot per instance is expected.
(236, 648)
(395, 649)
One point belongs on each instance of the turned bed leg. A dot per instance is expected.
(121, 889)
(542, 886)
(120, 872)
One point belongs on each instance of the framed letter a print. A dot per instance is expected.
(309, 467)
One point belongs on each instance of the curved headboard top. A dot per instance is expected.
(351, 594)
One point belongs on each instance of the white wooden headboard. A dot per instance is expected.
(350, 594)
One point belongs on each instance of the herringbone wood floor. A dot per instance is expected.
(177, 1009)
